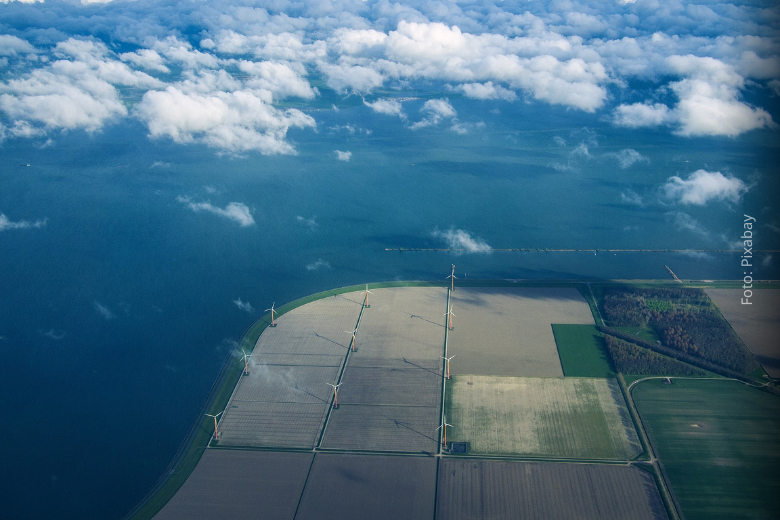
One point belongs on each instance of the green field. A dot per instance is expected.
(718, 441)
(582, 418)
(581, 350)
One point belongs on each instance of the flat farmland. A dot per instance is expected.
(584, 418)
(507, 331)
(345, 487)
(284, 400)
(757, 324)
(718, 442)
(391, 387)
(582, 351)
(241, 485)
(383, 428)
(395, 386)
(402, 323)
(497, 490)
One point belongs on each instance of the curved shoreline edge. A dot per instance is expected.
(198, 437)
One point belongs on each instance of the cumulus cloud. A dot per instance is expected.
(317, 265)
(6, 224)
(76, 91)
(632, 198)
(628, 157)
(390, 107)
(702, 186)
(234, 211)
(462, 240)
(639, 115)
(103, 311)
(236, 121)
(435, 110)
(244, 306)
(487, 91)
(343, 156)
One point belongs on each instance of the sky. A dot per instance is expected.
(170, 169)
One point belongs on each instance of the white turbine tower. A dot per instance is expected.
(366, 305)
(273, 323)
(353, 332)
(335, 394)
(448, 363)
(246, 366)
(216, 433)
(450, 314)
(443, 427)
(452, 276)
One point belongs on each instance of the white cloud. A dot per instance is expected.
(390, 107)
(631, 197)
(642, 115)
(12, 45)
(282, 80)
(435, 110)
(244, 306)
(317, 265)
(5, 223)
(147, 59)
(702, 186)
(684, 222)
(235, 121)
(487, 91)
(460, 239)
(628, 157)
(104, 311)
(343, 156)
(234, 211)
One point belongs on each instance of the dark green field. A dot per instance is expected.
(581, 349)
(720, 444)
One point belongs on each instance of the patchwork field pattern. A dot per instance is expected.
(496, 490)
(582, 418)
(758, 324)
(285, 398)
(507, 331)
(718, 441)
(391, 387)
(239, 484)
(346, 487)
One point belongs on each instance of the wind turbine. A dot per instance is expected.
(448, 364)
(246, 366)
(273, 324)
(443, 427)
(216, 433)
(335, 394)
(353, 337)
(452, 287)
(366, 305)
(450, 314)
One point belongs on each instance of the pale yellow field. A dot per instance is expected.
(546, 417)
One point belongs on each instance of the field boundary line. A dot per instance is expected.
(318, 444)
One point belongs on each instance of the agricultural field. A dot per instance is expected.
(345, 487)
(583, 418)
(241, 485)
(391, 387)
(582, 353)
(757, 324)
(285, 398)
(496, 490)
(718, 442)
(506, 331)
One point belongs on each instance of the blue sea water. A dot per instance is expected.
(117, 314)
